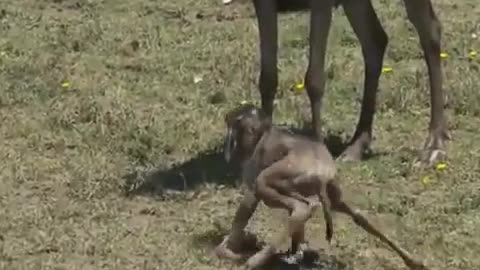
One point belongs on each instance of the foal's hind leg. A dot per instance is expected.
(339, 205)
(295, 229)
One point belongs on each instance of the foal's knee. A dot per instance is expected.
(301, 212)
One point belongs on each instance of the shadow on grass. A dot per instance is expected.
(286, 6)
(206, 167)
(293, 5)
(312, 259)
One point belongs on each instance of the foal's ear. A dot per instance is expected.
(230, 143)
(231, 136)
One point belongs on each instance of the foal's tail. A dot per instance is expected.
(327, 211)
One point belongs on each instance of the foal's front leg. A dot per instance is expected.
(300, 212)
(266, 191)
(235, 242)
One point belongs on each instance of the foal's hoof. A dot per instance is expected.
(416, 265)
(224, 252)
(236, 250)
(260, 258)
(305, 255)
(292, 258)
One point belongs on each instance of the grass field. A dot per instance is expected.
(111, 125)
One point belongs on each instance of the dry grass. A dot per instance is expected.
(132, 106)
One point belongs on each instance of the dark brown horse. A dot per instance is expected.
(373, 40)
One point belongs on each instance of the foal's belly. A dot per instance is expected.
(305, 190)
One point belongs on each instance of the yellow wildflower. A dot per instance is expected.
(243, 102)
(441, 166)
(387, 69)
(426, 180)
(65, 84)
(443, 55)
(299, 87)
(473, 54)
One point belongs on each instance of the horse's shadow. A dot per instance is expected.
(286, 6)
(290, 6)
(206, 167)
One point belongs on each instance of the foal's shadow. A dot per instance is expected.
(312, 260)
(206, 167)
